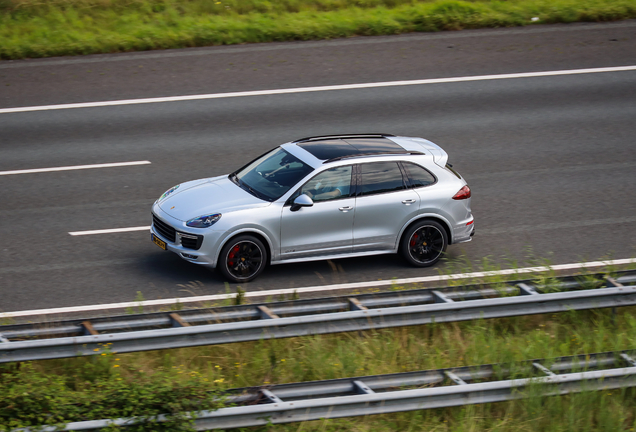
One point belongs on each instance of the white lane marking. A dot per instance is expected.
(110, 231)
(323, 288)
(75, 167)
(317, 89)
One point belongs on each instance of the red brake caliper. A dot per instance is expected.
(230, 257)
(413, 239)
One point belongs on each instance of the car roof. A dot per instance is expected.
(352, 146)
(332, 148)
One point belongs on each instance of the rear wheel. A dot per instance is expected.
(424, 243)
(242, 258)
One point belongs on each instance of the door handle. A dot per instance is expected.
(345, 209)
(408, 201)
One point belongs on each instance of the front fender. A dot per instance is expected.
(249, 229)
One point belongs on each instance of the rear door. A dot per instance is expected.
(383, 205)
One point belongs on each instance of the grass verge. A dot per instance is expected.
(31, 28)
(39, 391)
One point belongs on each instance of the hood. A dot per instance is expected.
(201, 197)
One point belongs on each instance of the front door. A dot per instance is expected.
(326, 228)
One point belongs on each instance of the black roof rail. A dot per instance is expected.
(393, 153)
(367, 135)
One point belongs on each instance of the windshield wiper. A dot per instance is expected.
(245, 186)
(257, 194)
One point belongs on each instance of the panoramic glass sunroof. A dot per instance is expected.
(334, 148)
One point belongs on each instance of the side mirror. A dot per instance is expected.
(301, 201)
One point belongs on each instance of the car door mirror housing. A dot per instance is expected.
(302, 201)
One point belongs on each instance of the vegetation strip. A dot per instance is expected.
(403, 309)
(135, 319)
(359, 396)
(114, 385)
(286, 46)
(122, 385)
(29, 28)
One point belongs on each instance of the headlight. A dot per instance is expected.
(204, 221)
(168, 192)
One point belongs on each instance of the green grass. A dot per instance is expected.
(378, 352)
(114, 385)
(30, 28)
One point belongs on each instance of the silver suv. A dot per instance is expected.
(319, 198)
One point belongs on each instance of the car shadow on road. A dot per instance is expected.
(180, 278)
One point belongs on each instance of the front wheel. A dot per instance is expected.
(242, 258)
(424, 243)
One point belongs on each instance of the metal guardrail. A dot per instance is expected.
(308, 317)
(379, 394)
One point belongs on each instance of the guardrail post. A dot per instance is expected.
(361, 388)
(441, 297)
(613, 283)
(525, 289)
(457, 380)
(543, 369)
(177, 320)
(354, 304)
(88, 328)
(271, 397)
(266, 313)
(628, 359)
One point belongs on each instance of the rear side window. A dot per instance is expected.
(418, 176)
(380, 177)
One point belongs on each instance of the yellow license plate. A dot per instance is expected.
(156, 240)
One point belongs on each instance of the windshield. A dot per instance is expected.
(271, 175)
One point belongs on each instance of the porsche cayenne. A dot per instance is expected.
(319, 198)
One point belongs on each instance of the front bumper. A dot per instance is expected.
(184, 235)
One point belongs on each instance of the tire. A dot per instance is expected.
(242, 258)
(424, 243)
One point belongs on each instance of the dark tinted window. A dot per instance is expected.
(329, 149)
(380, 177)
(418, 176)
(335, 148)
(375, 145)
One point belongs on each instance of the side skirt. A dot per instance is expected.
(336, 256)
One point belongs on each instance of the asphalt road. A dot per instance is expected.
(551, 160)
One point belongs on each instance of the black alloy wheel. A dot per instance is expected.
(424, 243)
(242, 258)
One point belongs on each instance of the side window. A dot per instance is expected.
(417, 175)
(331, 184)
(380, 177)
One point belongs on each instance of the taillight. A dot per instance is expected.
(464, 193)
